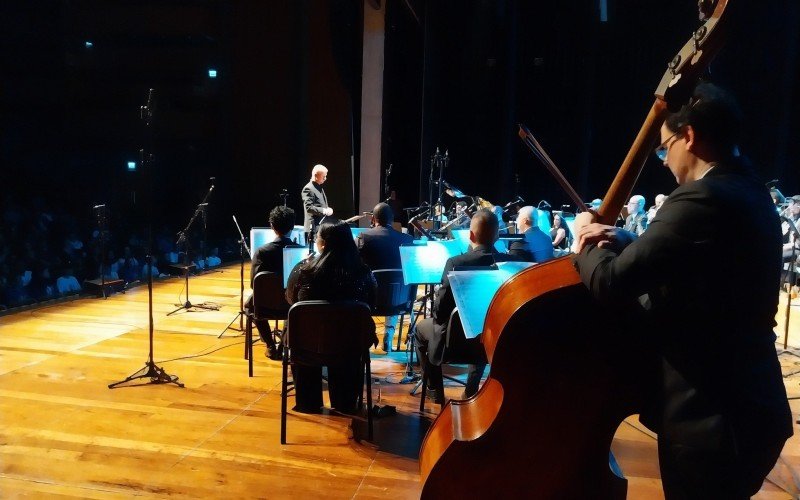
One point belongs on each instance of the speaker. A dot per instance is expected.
(96, 286)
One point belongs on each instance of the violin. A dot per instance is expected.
(566, 370)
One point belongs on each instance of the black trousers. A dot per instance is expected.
(430, 351)
(262, 325)
(344, 386)
(692, 473)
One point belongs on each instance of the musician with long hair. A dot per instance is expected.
(718, 400)
(336, 274)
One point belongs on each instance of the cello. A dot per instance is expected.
(561, 381)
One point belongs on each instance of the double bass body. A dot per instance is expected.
(533, 428)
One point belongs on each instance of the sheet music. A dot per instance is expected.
(474, 290)
(262, 235)
(357, 230)
(424, 264)
(291, 256)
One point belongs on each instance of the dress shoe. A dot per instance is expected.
(274, 353)
(435, 395)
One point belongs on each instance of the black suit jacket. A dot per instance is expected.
(707, 270)
(314, 200)
(379, 245)
(269, 257)
(444, 302)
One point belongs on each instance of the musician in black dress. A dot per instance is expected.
(336, 274)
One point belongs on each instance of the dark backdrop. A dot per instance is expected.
(458, 75)
(583, 86)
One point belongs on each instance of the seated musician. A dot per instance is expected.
(269, 257)
(431, 331)
(560, 235)
(636, 221)
(379, 249)
(337, 274)
(537, 246)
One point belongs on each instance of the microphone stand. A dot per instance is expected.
(242, 247)
(182, 238)
(155, 373)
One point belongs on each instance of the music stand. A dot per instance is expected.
(423, 265)
(473, 292)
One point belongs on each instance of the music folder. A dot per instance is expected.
(291, 257)
(262, 235)
(424, 264)
(474, 290)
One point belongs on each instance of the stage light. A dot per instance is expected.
(212, 73)
(131, 166)
(88, 44)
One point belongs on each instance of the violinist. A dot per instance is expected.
(718, 401)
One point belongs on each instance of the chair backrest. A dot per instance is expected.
(328, 333)
(457, 348)
(269, 297)
(393, 296)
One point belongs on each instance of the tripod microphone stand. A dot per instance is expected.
(183, 238)
(155, 373)
(242, 247)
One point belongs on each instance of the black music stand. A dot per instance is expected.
(422, 265)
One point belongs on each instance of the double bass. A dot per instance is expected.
(566, 370)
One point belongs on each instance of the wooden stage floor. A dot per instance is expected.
(65, 434)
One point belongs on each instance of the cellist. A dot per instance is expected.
(719, 405)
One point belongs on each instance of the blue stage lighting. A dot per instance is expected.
(131, 166)
(88, 44)
(212, 73)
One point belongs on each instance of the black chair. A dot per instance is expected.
(458, 350)
(323, 333)
(393, 297)
(269, 303)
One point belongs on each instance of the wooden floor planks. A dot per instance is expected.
(65, 435)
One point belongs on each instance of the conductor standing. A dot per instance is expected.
(315, 202)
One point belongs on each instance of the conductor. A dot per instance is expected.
(315, 202)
